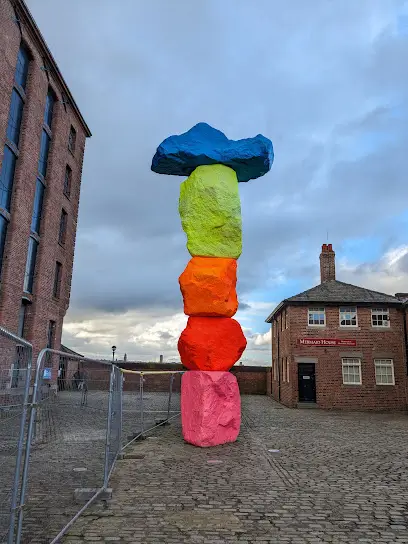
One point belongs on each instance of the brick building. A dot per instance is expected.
(339, 346)
(42, 142)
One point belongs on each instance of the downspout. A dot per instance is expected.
(278, 361)
(405, 337)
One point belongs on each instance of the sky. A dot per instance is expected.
(326, 81)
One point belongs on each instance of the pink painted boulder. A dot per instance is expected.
(210, 407)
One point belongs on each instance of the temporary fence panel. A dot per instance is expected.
(66, 442)
(15, 371)
(150, 399)
(63, 424)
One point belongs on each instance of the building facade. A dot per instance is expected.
(42, 143)
(339, 346)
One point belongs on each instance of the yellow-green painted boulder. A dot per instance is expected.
(210, 212)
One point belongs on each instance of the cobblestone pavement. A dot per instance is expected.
(338, 478)
(69, 453)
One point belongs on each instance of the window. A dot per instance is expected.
(21, 320)
(30, 265)
(275, 369)
(72, 139)
(63, 227)
(286, 318)
(37, 209)
(283, 369)
(45, 147)
(57, 280)
(23, 60)
(348, 317)
(287, 369)
(51, 334)
(384, 371)
(67, 181)
(3, 232)
(282, 320)
(6, 178)
(351, 371)
(317, 316)
(15, 116)
(49, 107)
(380, 317)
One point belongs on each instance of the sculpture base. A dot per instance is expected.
(210, 407)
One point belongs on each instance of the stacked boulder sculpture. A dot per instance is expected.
(210, 212)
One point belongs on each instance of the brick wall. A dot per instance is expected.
(43, 306)
(371, 343)
(251, 380)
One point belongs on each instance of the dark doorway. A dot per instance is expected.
(307, 382)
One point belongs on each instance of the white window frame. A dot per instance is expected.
(319, 310)
(287, 368)
(383, 312)
(351, 361)
(347, 310)
(385, 363)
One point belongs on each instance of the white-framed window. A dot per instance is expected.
(348, 316)
(380, 317)
(317, 317)
(287, 369)
(351, 371)
(283, 370)
(384, 372)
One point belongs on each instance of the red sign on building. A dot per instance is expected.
(326, 342)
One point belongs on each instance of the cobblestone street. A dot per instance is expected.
(338, 477)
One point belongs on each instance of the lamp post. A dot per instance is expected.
(113, 353)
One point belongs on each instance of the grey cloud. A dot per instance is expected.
(318, 82)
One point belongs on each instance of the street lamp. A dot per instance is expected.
(113, 353)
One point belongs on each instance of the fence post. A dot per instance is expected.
(141, 405)
(108, 428)
(19, 458)
(121, 410)
(30, 431)
(170, 394)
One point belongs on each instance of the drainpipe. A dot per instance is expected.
(405, 337)
(278, 365)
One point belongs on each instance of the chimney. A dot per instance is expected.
(327, 263)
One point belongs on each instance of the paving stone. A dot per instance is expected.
(340, 478)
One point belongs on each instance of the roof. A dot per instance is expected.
(23, 9)
(337, 292)
(70, 351)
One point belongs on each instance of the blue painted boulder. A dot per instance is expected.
(204, 145)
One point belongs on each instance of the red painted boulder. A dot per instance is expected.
(211, 343)
(210, 408)
(208, 287)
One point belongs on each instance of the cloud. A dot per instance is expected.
(388, 275)
(326, 85)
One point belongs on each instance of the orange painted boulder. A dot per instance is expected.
(211, 343)
(208, 287)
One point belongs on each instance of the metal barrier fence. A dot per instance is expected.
(61, 432)
(149, 401)
(15, 372)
